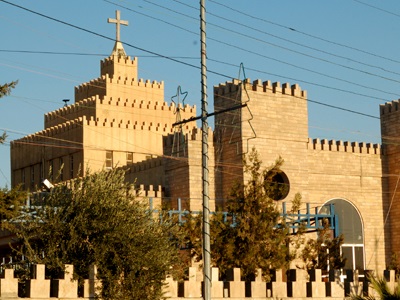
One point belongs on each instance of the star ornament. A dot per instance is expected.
(177, 98)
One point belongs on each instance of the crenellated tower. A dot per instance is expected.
(274, 118)
(390, 128)
(116, 120)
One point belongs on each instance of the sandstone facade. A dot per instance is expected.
(119, 120)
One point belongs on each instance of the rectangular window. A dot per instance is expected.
(41, 170)
(347, 253)
(32, 177)
(51, 170)
(23, 177)
(61, 168)
(71, 166)
(129, 158)
(109, 159)
(359, 258)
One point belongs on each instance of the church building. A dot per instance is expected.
(121, 120)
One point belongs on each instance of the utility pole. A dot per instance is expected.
(204, 155)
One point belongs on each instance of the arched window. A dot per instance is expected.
(349, 224)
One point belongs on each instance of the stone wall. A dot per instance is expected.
(390, 126)
(183, 169)
(294, 284)
(353, 172)
(275, 122)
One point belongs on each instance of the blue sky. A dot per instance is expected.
(344, 53)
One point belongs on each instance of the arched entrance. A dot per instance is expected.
(349, 224)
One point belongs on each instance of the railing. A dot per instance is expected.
(307, 220)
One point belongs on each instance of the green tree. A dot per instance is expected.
(11, 202)
(324, 251)
(382, 290)
(3, 137)
(394, 263)
(96, 220)
(255, 235)
(5, 90)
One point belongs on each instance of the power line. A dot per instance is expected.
(304, 33)
(377, 8)
(296, 66)
(85, 54)
(310, 82)
(155, 54)
(315, 101)
(288, 41)
(111, 39)
(190, 65)
(224, 63)
(275, 59)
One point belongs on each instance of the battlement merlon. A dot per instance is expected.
(51, 135)
(197, 134)
(120, 86)
(389, 107)
(190, 134)
(131, 81)
(71, 112)
(95, 87)
(344, 146)
(144, 165)
(148, 104)
(150, 191)
(162, 128)
(118, 66)
(261, 86)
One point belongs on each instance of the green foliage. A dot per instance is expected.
(324, 252)
(5, 90)
(255, 236)
(382, 290)
(96, 220)
(11, 202)
(394, 264)
(3, 138)
(255, 241)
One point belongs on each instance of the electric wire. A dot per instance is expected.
(226, 76)
(303, 33)
(90, 107)
(377, 8)
(5, 177)
(310, 82)
(246, 35)
(272, 58)
(386, 218)
(109, 38)
(167, 57)
(220, 62)
(85, 54)
(310, 100)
